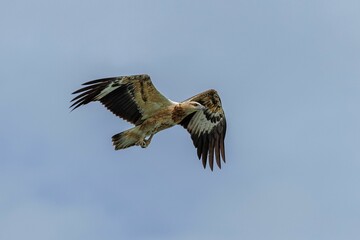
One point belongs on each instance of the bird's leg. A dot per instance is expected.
(145, 142)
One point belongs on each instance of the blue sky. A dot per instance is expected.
(288, 73)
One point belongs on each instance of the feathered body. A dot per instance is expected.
(135, 99)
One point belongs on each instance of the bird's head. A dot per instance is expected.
(192, 106)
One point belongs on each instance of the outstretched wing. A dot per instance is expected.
(133, 98)
(208, 128)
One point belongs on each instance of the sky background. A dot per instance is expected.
(288, 73)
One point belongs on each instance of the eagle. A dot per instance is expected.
(135, 99)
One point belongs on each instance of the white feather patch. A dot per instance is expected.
(200, 124)
(109, 88)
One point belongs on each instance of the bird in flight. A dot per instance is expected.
(135, 99)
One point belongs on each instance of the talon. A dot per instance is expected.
(143, 144)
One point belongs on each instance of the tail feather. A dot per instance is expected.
(126, 139)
